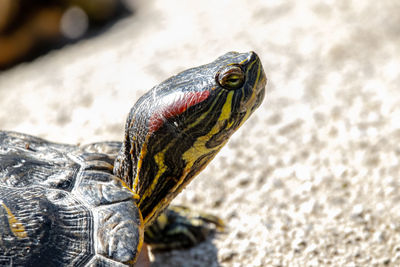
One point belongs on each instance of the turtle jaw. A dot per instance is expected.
(254, 95)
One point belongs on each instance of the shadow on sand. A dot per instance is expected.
(204, 254)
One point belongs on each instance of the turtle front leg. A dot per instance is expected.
(179, 227)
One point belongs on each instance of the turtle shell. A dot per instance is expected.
(61, 205)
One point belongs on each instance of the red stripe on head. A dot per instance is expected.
(179, 105)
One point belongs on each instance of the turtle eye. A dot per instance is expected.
(231, 77)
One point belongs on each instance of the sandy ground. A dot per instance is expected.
(312, 179)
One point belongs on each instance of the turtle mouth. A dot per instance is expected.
(258, 96)
(255, 73)
(260, 93)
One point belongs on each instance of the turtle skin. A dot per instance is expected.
(66, 199)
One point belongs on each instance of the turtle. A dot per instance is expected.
(96, 204)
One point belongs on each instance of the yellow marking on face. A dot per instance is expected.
(226, 109)
(243, 61)
(16, 226)
(142, 154)
(159, 159)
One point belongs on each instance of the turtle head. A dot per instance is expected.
(176, 129)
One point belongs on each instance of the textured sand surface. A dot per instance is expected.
(312, 179)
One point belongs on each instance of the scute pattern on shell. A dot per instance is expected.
(40, 211)
(61, 205)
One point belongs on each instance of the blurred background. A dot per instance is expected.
(29, 29)
(310, 180)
